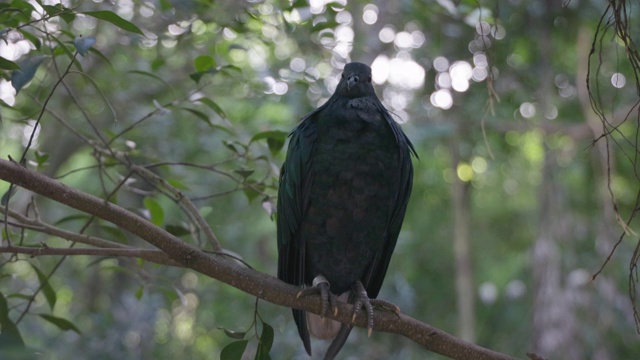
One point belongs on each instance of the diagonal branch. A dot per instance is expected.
(230, 272)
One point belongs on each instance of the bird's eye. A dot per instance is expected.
(342, 75)
(369, 79)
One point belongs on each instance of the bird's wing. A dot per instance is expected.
(295, 180)
(293, 194)
(373, 280)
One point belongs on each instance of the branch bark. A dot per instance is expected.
(230, 272)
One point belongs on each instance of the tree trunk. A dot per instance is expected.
(461, 204)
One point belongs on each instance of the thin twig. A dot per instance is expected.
(155, 256)
(39, 226)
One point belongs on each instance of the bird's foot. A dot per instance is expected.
(321, 287)
(362, 301)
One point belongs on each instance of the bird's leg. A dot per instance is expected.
(321, 287)
(362, 301)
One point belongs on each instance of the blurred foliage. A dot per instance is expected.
(203, 94)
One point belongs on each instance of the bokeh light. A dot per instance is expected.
(387, 34)
(297, 64)
(464, 171)
(441, 63)
(618, 80)
(370, 14)
(461, 73)
(527, 110)
(380, 69)
(442, 98)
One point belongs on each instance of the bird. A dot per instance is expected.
(342, 197)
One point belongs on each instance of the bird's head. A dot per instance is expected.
(355, 81)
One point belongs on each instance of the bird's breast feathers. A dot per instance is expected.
(361, 109)
(361, 103)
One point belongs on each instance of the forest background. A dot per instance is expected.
(524, 115)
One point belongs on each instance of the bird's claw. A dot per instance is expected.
(321, 287)
(386, 305)
(362, 301)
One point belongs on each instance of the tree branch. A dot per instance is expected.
(39, 226)
(156, 256)
(230, 272)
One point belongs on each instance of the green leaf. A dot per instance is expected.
(275, 140)
(325, 25)
(239, 335)
(47, 290)
(41, 158)
(114, 232)
(110, 16)
(5, 199)
(196, 76)
(275, 145)
(16, 13)
(140, 292)
(19, 296)
(4, 308)
(266, 341)
(36, 41)
(202, 116)
(102, 56)
(177, 230)
(205, 211)
(177, 184)
(83, 44)
(67, 16)
(155, 210)
(273, 134)
(72, 218)
(234, 350)
(10, 338)
(253, 189)
(27, 71)
(227, 69)
(235, 146)
(299, 4)
(59, 10)
(62, 48)
(8, 64)
(204, 63)
(151, 75)
(245, 173)
(7, 106)
(62, 324)
(213, 106)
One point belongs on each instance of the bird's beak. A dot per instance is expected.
(351, 81)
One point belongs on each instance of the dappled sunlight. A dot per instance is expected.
(404, 73)
(7, 92)
(14, 48)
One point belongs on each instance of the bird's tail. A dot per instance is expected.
(339, 341)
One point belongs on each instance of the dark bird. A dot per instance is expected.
(344, 188)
